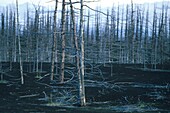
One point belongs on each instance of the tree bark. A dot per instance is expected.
(81, 84)
(63, 42)
(77, 48)
(145, 40)
(19, 45)
(54, 42)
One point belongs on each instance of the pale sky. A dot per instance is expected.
(103, 3)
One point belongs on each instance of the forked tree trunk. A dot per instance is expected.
(19, 45)
(54, 42)
(81, 96)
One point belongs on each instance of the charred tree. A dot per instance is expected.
(54, 47)
(81, 77)
(146, 36)
(19, 45)
(63, 42)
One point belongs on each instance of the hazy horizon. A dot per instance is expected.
(102, 3)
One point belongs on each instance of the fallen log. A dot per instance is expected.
(28, 96)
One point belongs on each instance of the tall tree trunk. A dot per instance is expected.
(63, 42)
(54, 42)
(169, 38)
(77, 49)
(161, 37)
(126, 37)
(117, 36)
(2, 36)
(36, 27)
(137, 40)
(154, 40)
(81, 79)
(11, 39)
(121, 39)
(145, 60)
(117, 32)
(106, 40)
(141, 38)
(7, 37)
(19, 45)
(132, 53)
(113, 33)
(165, 41)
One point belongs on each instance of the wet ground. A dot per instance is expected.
(109, 89)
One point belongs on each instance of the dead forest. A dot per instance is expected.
(66, 46)
(124, 35)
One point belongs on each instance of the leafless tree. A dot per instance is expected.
(81, 78)
(19, 45)
(54, 41)
(63, 42)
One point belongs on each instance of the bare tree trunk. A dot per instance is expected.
(36, 25)
(154, 40)
(7, 37)
(145, 40)
(2, 36)
(126, 37)
(161, 37)
(77, 48)
(132, 53)
(169, 38)
(11, 39)
(121, 39)
(140, 56)
(81, 84)
(106, 40)
(15, 39)
(54, 42)
(113, 34)
(137, 40)
(19, 45)
(165, 41)
(63, 42)
(117, 32)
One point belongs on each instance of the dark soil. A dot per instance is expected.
(109, 88)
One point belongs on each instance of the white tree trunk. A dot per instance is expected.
(81, 85)
(63, 42)
(19, 45)
(54, 54)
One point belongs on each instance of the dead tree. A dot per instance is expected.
(131, 35)
(54, 42)
(121, 39)
(154, 40)
(126, 36)
(113, 33)
(63, 42)
(19, 45)
(145, 55)
(75, 45)
(137, 40)
(81, 78)
(2, 36)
